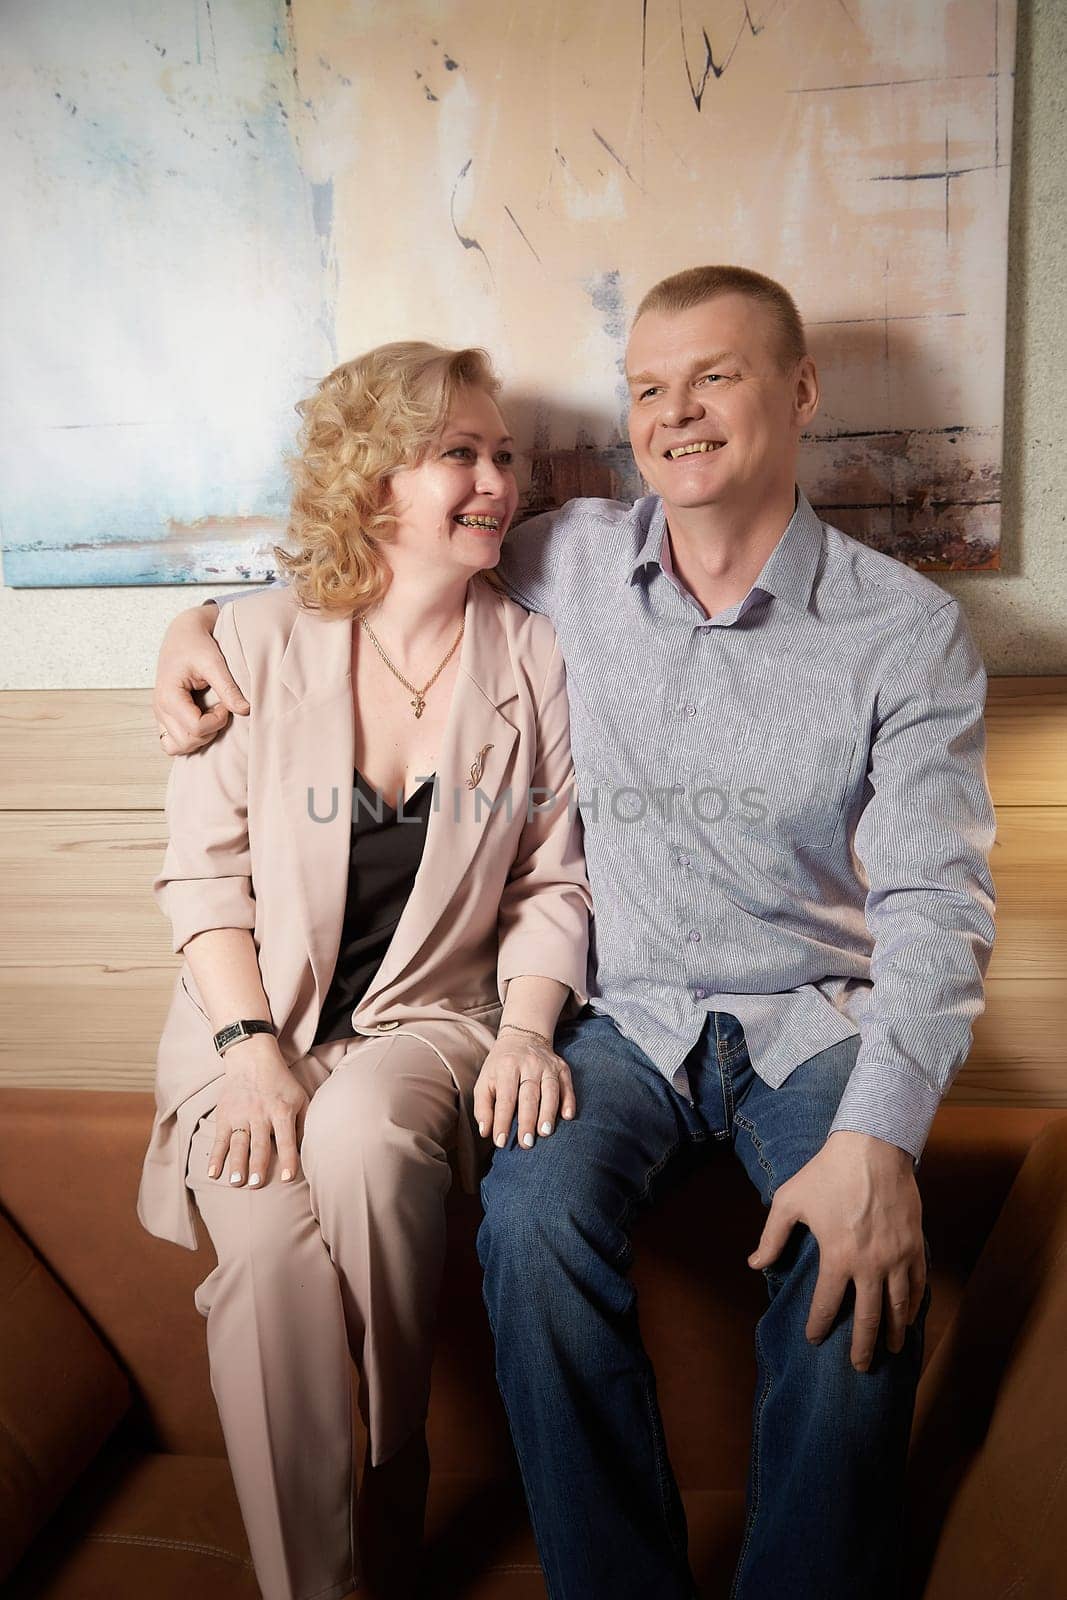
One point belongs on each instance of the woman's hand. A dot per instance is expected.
(260, 1094)
(522, 1073)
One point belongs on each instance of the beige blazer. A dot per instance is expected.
(259, 836)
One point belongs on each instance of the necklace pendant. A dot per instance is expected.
(419, 704)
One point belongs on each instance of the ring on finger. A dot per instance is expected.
(235, 1176)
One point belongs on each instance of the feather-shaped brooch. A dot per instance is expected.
(478, 767)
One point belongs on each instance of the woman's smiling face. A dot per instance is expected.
(454, 508)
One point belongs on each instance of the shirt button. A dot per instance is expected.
(690, 711)
(683, 861)
(700, 994)
(694, 936)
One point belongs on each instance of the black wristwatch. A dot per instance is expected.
(241, 1030)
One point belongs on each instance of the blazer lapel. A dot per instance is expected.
(316, 758)
(472, 768)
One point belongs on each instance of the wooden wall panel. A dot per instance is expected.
(89, 749)
(77, 889)
(1029, 864)
(82, 1027)
(1019, 1052)
(80, 749)
(86, 969)
(1026, 724)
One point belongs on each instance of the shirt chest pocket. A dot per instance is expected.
(790, 789)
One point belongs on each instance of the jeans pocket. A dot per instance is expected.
(762, 1174)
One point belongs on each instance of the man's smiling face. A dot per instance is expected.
(714, 412)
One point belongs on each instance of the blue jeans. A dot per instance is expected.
(829, 1443)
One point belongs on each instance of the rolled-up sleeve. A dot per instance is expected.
(206, 878)
(543, 923)
(924, 839)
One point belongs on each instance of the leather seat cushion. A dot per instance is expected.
(61, 1394)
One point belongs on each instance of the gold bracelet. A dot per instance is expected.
(529, 1031)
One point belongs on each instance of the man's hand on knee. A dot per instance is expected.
(189, 659)
(859, 1198)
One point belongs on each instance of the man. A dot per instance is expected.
(778, 739)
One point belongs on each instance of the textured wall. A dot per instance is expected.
(1020, 614)
(107, 638)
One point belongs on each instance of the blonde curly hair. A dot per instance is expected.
(367, 418)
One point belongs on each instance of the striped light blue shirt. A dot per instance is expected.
(785, 808)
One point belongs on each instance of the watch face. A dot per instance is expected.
(240, 1030)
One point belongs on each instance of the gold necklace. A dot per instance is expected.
(419, 702)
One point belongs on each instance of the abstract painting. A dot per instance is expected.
(166, 290)
(217, 200)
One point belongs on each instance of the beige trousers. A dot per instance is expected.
(342, 1262)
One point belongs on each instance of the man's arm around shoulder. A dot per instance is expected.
(531, 567)
(190, 661)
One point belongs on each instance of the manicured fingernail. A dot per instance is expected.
(501, 1140)
(546, 1127)
(527, 1140)
(568, 1115)
(253, 1180)
(481, 1129)
(213, 1171)
(286, 1174)
(235, 1177)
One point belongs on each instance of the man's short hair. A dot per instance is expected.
(684, 290)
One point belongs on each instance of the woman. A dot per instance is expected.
(368, 866)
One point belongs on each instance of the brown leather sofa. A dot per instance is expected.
(113, 1476)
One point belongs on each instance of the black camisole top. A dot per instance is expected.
(384, 857)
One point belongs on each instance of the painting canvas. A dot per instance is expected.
(215, 201)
